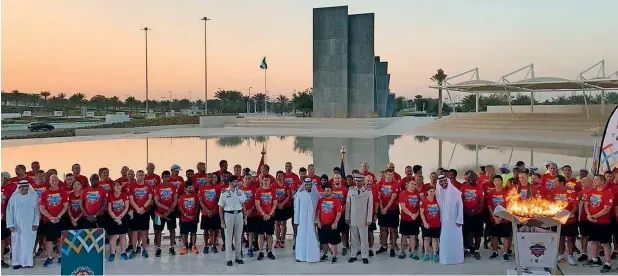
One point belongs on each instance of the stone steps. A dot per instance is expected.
(514, 131)
(311, 123)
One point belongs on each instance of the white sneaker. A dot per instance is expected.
(571, 260)
(560, 258)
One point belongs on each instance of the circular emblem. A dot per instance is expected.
(82, 271)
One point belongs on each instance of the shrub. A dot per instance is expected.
(67, 132)
(162, 121)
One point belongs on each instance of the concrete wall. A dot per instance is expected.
(361, 66)
(330, 62)
(381, 87)
(553, 109)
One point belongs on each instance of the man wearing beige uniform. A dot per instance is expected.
(358, 214)
(233, 217)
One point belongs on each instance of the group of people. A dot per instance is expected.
(334, 215)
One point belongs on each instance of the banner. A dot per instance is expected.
(608, 155)
(537, 250)
(83, 252)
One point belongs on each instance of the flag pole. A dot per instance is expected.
(265, 92)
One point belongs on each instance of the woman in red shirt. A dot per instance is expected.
(284, 209)
(75, 210)
(430, 214)
(118, 227)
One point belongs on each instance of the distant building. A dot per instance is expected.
(349, 81)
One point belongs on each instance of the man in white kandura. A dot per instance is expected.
(451, 217)
(305, 203)
(22, 219)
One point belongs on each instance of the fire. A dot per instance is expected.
(532, 207)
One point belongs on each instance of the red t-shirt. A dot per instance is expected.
(6, 195)
(597, 200)
(189, 207)
(53, 202)
(282, 193)
(209, 195)
(549, 181)
(396, 176)
(250, 202)
(166, 194)
(472, 196)
(404, 182)
(123, 180)
(569, 196)
(118, 203)
(495, 199)
(179, 183)
(583, 197)
(573, 184)
(83, 180)
(199, 179)
(412, 202)
(387, 189)
(343, 182)
(152, 180)
(314, 178)
(456, 183)
(290, 178)
(369, 173)
(92, 199)
(431, 211)
(327, 209)
(15, 180)
(107, 185)
(75, 202)
(523, 191)
(266, 198)
(140, 194)
(40, 188)
(10, 188)
(482, 179)
(340, 194)
(30, 173)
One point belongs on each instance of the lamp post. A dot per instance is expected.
(206, 19)
(190, 102)
(170, 100)
(146, 29)
(249, 101)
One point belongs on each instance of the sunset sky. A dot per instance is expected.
(96, 47)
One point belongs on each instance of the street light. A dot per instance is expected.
(249, 101)
(170, 99)
(146, 29)
(206, 19)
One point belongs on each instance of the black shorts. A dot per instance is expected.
(170, 221)
(188, 227)
(265, 227)
(432, 232)
(584, 228)
(409, 227)
(390, 219)
(485, 216)
(473, 224)
(372, 227)
(113, 228)
(84, 223)
(501, 230)
(103, 220)
(327, 235)
(569, 230)
(252, 225)
(5, 230)
(600, 233)
(342, 226)
(140, 222)
(284, 214)
(210, 223)
(52, 231)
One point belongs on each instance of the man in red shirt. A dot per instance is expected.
(140, 199)
(340, 192)
(364, 170)
(222, 168)
(40, 185)
(253, 222)
(284, 209)
(124, 176)
(209, 193)
(69, 179)
(598, 207)
(165, 198)
(201, 177)
(409, 202)
(53, 205)
(344, 182)
(430, 215)
(105, 181)
(499, 228)
(94, 204)
(487, 182)
(391, 167)
(265, 172)
(177, 180)
(188, 208)
(311, 174)
(290, 177)
(265, 203)
(76, 169)
(409, 176)
(473, 197)
(20, 174)
(151, 178)
(452, 175)
(525, 189)
(35, 166)
(569, 229)
(389, 212)
(584, 224)
(329, 211)
(6, 195)
(571, 182)
(549, 179)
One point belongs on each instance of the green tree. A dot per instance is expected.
(282, 100)
(45, 94)
(115, 101)
(260, 98)
(400, 103)
(439, 79)
(303, 101)
(98, 101)
(77, 100)
(131, 102)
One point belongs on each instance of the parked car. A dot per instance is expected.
(40, 126)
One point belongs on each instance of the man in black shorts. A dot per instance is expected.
(388, 219)
(329, 212)
(265, 204)
(473, 203)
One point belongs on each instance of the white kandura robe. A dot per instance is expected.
(305, 203)
(22, 212)
(451, 214)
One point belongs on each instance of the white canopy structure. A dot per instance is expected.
(533, 84)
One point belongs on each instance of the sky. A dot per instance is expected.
(97, 47)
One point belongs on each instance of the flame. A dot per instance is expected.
(532, 207)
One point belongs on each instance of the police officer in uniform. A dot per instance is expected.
(358, 214)
(233, 218)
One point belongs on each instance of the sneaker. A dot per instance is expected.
(239, 261)
(129, 248)
(392, 253)
(593, 263)
(493, 255)
(183, 250)
(205, 250)
(5, 265)
(59, 260)
(365, 261)
(358, 253)
(344, 251)
(510, 252)
(334, 260)
(560, 258)
(371, 253)
(229, 263)
(249, 252)
(276, 244)
(132, 254)
(223, 247)
(351, 260)
(466, 253)
(571, 260)
(381, 250)
(282, 245)
(270, 255)
(425, 257)
(505, 257)
(582, 258)
(436, 258)
(195, 250)
(138, 249)
(214, 249)
(16, 266)
(260, 256)
(50, 261)
(110, 258)
(606, 268)
(402, 255)
(158, 252)
(413, 256)
(477, 255)
(124, 256)
(172, 251)
(577, 250)
(144, 254)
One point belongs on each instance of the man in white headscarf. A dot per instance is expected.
(22, 219)
(305, 203)
(451, 218)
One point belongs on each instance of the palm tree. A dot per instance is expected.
(115, 101)
(439, 79)
(282, 99)
(98, 101)
(260, 98)
(17, 96)
(77, 100)
(45, 94)
(131, 102)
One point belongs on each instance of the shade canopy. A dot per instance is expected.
(538, 84)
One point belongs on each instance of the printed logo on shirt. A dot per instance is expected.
(327, 206)
(118, 205)
(595, 200)
(176, 184)
(39, 191)
(210, 194)
(386, 190)
(93, 197)
(523, 194)
(433, 210)
(75, 203)
(498, 200)
(189, 203)
(560, 197)
(150, 182)
(141, 192)
(338, 194)
(266, 197)
(200, 181)
(570, 185)
(288, 181)
(106, 187)
(470, 195)
(280, 193)
(550, 184)
(248, 195)
(413, 200)
(54, 199)
(165, 193)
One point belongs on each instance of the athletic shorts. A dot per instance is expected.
(390, 219)
(372, 227)
(210, 223)
(140, 222)
(252, 225)
(485, 216)
(584, 228)
(473, 224)
(265, 227)
(432, 232)
(342, 226)
(5, 230)
(84, 223)
(170, 222)
(569, 230)
(501, 230)
(409, 227)
(600, 233)
(113, 228)
(284, 214)
(52, 231)
(188, 227)
(328, 235)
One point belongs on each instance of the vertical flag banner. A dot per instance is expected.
(263, 65)
(261, 163)
(608, 154)
(83, 252)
